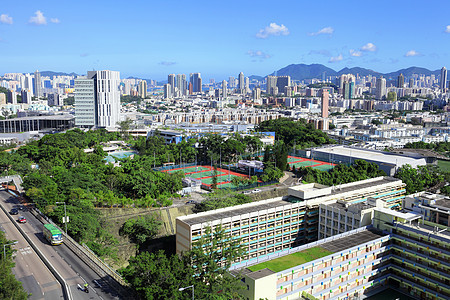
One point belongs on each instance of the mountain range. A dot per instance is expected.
(303, 71)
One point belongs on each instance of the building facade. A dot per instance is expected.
(399, 251)
(271, 226)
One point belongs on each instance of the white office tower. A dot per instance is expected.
(381, 88)
(443, 83)
(224, 89)
(97, 99)
(107, 96)
(247, 85)
(85, 108)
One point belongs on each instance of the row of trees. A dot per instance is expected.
(439, 147)
(10, 287)
(341, 174)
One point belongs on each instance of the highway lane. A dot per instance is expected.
(69, 266)
(36, 278)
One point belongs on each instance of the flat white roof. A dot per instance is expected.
(406, 216)
(373, 155)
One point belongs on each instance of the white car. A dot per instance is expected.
(256, 191)
(247, 192)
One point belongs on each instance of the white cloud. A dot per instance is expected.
(325, 30)
(55, 20)
(334, 59)
(258, 54)
(369, 47)
(412, 53)
(447, 29)
(5, 19)
(167, 63)
(272, 29)
(355, 53)
(38, 18)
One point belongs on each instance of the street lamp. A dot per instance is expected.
(13, 243)
(65, 214)
(191, 286)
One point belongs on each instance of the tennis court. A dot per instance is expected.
(205, 175)
(306, 162)
(189, 169)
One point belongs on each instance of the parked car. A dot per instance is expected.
(247, 192)
(22, 219)
(256, 191)
(14, 211)
(191, 202)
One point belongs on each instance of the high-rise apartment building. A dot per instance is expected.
(256, 93)
(231, 82)
(325, 101)
(26, 96)
(181, 85)
(241, 83)
(443, 83)
(196, 81)
(401, 81)
(168, 91)
(271, 83)
(37, 84)
(282, 83)
(97, 99)
(380, 89)
(171, 79)
(224, 89)
(142, 89)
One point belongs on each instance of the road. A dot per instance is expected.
(36, 279)
(68, 265)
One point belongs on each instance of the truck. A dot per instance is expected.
(52, 234)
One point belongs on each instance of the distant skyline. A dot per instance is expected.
(150, 39)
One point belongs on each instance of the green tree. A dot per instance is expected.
(158, 276)
(141, 230)
(10, 287)
(212, 256)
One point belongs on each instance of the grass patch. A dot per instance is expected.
(292, 260)
(444, 165)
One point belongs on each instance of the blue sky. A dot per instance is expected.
(151, 39)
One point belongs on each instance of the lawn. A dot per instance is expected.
(292, 260)
(444, 165)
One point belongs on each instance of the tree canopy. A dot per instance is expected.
(293, 133)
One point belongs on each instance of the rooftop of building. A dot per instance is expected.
(228, 212)
(43, 117)
(308, 193)
(353, 206)
(321, 250)
(372, 155)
